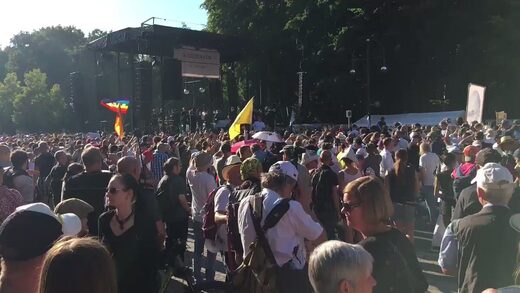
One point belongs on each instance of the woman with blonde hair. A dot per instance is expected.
(368, 209)
(80, 265)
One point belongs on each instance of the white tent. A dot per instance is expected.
(430, 118)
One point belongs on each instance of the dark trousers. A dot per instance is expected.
(177, 233)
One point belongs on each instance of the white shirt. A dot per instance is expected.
(289, 233)
(431, 164)
(201, 185)
(387, 162)
(221, 202)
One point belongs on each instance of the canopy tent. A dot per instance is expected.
(429, 118)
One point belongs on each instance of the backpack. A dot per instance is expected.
(9, 176)
(259, 272)
(462, 181)
(209, 227)
(233, 234)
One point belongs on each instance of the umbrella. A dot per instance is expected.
(238, 145)
(268, 136)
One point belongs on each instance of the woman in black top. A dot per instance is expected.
(171, 197)
(443, 188)
(401, 183)
(368, 209)
(130, 235)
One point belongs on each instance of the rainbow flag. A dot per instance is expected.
(116, 106)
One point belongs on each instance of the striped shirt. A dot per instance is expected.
(157, 165)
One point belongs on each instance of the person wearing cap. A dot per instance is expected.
(486, 243)
(231, 174)
(77, 207)
(310, 160)
(303, 191)
(465, 172)
(201, 185)
(286, 238)
(89, 185)
(23, 253)
(467, 201)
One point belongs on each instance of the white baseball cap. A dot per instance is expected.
(494, 176)
(286, 168)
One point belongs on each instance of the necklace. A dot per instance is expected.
(124, 221)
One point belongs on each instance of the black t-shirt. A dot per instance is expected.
(44, 162)
(395, 268)
(168, 191)
(322, 183)
(90, 187)
(413, 155)
(402, 191)
(373, 161)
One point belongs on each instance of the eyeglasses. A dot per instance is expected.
(113, 190)
(348, 207)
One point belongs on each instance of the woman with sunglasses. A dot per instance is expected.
(368, 209)
(129, 233)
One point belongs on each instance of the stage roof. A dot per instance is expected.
(158, 40)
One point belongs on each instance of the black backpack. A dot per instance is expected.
(10, 174)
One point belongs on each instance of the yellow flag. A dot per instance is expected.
(118, 126)
(244, 117)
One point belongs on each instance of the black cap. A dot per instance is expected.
(27, 234)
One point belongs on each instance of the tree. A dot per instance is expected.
(9, 89)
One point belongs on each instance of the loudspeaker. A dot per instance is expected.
(76, 91)
(171, 79)
(143, 92)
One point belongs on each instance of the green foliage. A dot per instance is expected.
(36, 107)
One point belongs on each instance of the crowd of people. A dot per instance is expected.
(330, 210)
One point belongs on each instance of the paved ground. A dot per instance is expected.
(428, 259)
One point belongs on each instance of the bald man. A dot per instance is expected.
(132, 166)
(5, 156)
(325, 197)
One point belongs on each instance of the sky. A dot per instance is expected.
(29, 15)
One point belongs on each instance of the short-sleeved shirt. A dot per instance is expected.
(221, 202)
(322, 183)
(387, 162)
(171, 208)
(201, 185)
(286, 238)
(431, 164)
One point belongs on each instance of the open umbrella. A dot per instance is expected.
(268, 136)
(235, 147)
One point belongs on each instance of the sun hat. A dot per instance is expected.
(232, 162)
(249, 166)
(309, 157)
(74, 206)
(286, 168)
(508, 142)
(494, 176)
(32, 230)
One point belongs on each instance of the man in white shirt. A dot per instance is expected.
(387, 162)
(430, 165)
(286, 238)
(201, 185)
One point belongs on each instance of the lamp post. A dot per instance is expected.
(367, 59)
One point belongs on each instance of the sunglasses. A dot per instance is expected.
(113, 190)
(348, 207)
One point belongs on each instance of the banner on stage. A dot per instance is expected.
(475, 106)
(198, 63)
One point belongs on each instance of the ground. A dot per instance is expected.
(427, 257)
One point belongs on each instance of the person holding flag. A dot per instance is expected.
(244, 117)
